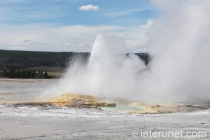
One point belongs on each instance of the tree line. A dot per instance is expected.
(24, 74)
(10, 59)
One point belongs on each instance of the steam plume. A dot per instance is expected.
(179, 45)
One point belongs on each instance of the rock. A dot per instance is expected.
(34, 104)
(110, 105)
(100, 104)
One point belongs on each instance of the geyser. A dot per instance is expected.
(179, 70)
(110, 73)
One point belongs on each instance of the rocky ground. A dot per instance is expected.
(68, 123)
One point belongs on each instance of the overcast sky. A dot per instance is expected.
(72, 25)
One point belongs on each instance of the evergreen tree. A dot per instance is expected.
(45, 75)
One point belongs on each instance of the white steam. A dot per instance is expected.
(179, 41)
(109, 73)
(179, 45)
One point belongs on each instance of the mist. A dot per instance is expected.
(178, 44)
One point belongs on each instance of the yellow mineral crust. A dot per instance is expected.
(70, 99)
(153, 108)
(63, 97)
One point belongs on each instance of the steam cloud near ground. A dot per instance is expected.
(179, 45)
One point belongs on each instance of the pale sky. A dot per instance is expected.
(72, 25)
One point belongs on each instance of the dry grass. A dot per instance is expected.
(56, 74)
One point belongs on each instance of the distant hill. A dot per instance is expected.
(48, 61)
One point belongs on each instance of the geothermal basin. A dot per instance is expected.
(29, 93)
(24, 115)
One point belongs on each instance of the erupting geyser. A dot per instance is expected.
(110, 73)
(179, 45)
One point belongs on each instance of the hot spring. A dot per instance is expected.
(178, 71)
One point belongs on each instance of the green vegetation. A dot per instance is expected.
(29, 59)
(30, 64)
(25, 74)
